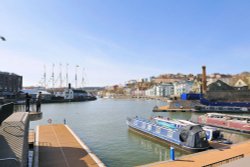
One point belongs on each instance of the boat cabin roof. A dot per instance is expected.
(228, 116)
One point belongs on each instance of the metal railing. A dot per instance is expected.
(225, 161)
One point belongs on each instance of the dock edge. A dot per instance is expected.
(86, 148)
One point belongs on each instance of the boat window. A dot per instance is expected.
(158, 130)
(143, 125)
(149, 127)
(212, 108)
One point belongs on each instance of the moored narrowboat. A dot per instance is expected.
(221, 109)
(191, 138)
(232, 122)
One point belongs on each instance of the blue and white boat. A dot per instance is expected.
(191, 138)
(211, 132)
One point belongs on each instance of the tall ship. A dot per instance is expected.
(191, 138)
(232, 122)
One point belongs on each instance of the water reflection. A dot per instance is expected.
(161, 149)
(235, 137)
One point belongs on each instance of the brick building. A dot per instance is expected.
(10, 84)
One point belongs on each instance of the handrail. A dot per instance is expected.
(5, 159)
(218, 163)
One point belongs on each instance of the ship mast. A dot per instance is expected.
(82, 77)
(60, 75)
(67, 76)
(44, 77)
(76, 76)
(53, 76)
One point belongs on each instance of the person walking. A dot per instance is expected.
(27, 97)
(38, 102)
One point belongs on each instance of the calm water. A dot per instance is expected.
(101, 124)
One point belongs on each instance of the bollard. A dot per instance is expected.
(172, 156)
(64, 121)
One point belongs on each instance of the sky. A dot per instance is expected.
(113, 41)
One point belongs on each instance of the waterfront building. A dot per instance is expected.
(10, 84)
(161, 90)
(137, 92)
(220, 91)
(151, 92)
(182, 87)
(196, 88)
(165, 90)
(127, 91)
(69, 94)
(241, 84)
(219, 86)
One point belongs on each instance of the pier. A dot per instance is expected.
(237, 152)
(177, 105)
(57, 145)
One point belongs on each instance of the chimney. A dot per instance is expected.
(69, 86)
(204, 79)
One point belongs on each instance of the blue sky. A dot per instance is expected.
(115, 41)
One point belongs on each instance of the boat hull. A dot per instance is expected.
(221, 109)
(166, 135)
(180, 147)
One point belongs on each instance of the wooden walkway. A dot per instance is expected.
(58, 146)
(231, 152)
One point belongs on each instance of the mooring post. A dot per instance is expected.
(172, 156)
(64, 121)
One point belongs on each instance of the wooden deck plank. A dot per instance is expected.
(58, 147)
(207, 157)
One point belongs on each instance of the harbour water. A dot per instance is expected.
(101, 124)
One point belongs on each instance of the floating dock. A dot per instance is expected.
(211, 158)
(168, 109)
(177, 105)
(56, 145)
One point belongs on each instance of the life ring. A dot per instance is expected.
(49, 121)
